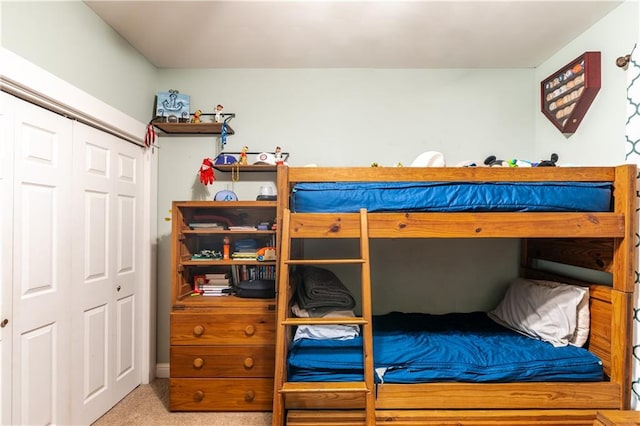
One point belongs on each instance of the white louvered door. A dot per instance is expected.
(107, 275)
(42, 230)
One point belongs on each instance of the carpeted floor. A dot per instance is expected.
(147, 405)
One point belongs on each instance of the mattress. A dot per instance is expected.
(455, 347)
(350, 197)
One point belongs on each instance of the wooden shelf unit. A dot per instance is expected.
(222, 347)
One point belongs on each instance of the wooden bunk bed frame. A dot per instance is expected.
(603, 241)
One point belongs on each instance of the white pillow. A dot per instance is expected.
(583, 325)
(554, 312)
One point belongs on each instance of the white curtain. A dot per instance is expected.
(632, 150)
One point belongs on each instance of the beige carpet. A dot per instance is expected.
(147, 405)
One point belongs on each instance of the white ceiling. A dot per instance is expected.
(371, 34)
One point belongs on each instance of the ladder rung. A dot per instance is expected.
(327, 321)
(323, 261)
(318, 387)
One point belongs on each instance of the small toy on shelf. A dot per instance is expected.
(226, 244)
(491, 161)
(243, 155)
(279, 156)
(265, 254)
(218, 114)
(549, 163)
(196, 116)
(206, 172)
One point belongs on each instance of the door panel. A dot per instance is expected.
(41, 266)
(6, 253)
(95, 323)
(39, 381)
(128, 252)
(108, 281)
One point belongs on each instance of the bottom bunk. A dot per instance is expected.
(473, 361)
(467, 417)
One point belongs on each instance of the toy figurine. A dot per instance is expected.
(196, 116)
(218, 114)
(243, 156)
(279, 156)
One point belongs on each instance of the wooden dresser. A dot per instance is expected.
(222, 347)
(223, 360)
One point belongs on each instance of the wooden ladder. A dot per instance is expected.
(285, 322)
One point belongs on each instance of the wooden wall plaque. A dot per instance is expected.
(567, 94)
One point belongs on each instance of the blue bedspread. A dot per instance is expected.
(464, 347)
(450, 196)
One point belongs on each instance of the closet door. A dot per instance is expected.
(6, 241)
(41, 266)
(107, 254)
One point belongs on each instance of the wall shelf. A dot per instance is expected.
(193, 128)
(204, 128)
(247, 167)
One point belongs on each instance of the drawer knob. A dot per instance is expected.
(248, 362)
(249, 395)
(198, 363)
(249, 330)
(198, 330)
(198, 396)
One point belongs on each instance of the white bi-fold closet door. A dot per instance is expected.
(75, 274)
(41, 266)
(6, 250)
(106, 271)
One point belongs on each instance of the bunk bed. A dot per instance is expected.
(579, 216)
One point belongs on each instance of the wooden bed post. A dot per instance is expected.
(624, 271)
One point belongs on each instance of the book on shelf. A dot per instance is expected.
(215, 287)
(244, 255)
(250, 273)
(207, 294)
(219, 281)
(242, 228)
(206, 225)
(216, 275)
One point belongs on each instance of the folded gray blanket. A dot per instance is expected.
(321, 288)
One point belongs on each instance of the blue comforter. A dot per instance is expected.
(463, 347)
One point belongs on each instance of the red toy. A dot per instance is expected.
(206, 172)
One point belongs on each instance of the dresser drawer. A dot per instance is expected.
(222, 361)
(223, 329)
(220, 394)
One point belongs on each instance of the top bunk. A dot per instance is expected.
(461, 202)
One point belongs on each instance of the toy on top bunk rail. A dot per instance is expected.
(492, 161)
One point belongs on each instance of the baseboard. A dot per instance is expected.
(162, 370)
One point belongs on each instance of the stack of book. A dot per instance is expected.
(245, 249)
(216, 284)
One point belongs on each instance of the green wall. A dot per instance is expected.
(70, 41)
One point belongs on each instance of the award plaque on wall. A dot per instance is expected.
(567, 94)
